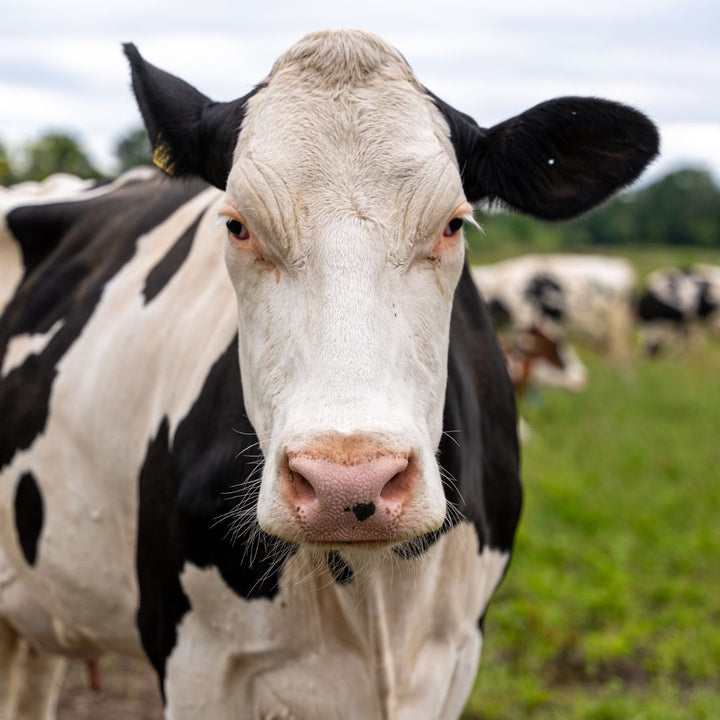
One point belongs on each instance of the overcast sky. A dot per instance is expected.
(62, 68)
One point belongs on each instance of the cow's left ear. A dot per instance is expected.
(190, 133)
(556, 160)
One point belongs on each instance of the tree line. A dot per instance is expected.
(61, 152)
(681, 208)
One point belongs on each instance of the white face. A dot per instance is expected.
(344, 251)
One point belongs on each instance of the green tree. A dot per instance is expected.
(53, 153)
(680, 209)
(7, 176)
(133, 149)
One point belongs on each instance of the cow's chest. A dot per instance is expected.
(397, 641)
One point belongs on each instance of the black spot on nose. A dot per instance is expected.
(363, 511)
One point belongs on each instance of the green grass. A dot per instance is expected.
(611, 607)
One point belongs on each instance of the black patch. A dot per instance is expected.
(187, 495)
(342, 572)
(159, 554)
(706, 303)
(479, 452)
(556, 160)
(166, 268)
(217, 475)
(192, 134)
(29, 516)
(362, 511)
(414, 548)
(501, 316)
(71, 251)
(546, 294)
(651, 309)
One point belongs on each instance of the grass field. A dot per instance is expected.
(611, 607)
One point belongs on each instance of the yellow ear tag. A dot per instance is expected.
(162, 159)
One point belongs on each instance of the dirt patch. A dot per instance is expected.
(129, 690)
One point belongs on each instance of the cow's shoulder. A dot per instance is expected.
(72, 242)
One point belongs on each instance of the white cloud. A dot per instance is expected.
(684, 144)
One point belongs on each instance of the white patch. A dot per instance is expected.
(21, 347)
(28, 617)
(401, 639)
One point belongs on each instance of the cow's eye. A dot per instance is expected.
(453, 227)
(237, 229)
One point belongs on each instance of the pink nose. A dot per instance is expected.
(341, 502)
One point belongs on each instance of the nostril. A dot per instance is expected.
(398, 487)
(301, 489)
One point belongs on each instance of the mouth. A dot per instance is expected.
(333, 545)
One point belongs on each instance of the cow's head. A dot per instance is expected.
(346, 186)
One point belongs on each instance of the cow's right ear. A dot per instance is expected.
(190, 133)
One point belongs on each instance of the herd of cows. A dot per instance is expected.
(541, 303)
(255, 422)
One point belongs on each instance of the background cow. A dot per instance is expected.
(533, 358)
(589, 297)
(678, 301)
(294, 491)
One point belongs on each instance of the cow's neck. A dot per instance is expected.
(380, 642)
(394, 633)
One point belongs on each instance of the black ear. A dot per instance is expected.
(190, 134)
(555, 161)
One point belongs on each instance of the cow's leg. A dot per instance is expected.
(9, 671)
(41, 682)
(30, 680)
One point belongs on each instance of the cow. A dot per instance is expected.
(675, 302)
(533, 359)
(588, 297)
(256, 425)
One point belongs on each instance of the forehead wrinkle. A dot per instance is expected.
(429, 204)
(275, 214)
(378, 152)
